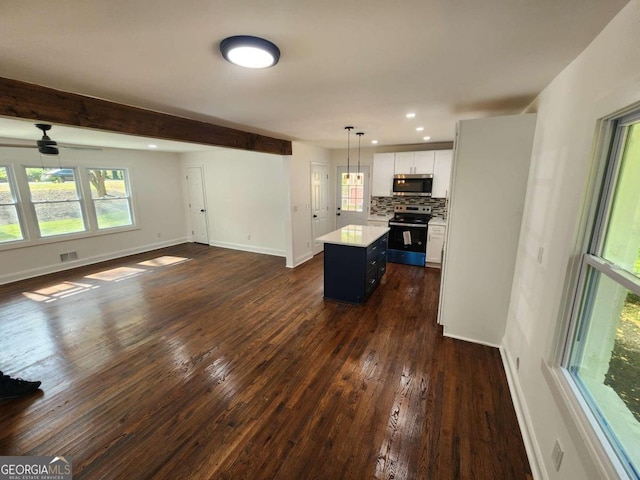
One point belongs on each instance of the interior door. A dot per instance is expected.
(197, 205)
(320, 223)
(352, 202)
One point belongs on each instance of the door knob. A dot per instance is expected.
(315, 216)
(337, 214)
(202, 210)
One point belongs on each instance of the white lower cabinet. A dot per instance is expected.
(435, 243)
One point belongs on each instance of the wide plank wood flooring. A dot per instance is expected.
(195, 362)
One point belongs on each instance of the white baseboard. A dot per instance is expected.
(300, 260)
(524, 419)
(45, 270)
(466, 339)
(250, 248)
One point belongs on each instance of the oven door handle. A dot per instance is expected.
(418, 225)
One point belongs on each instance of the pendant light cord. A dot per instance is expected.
(359, 134)
(348, 129)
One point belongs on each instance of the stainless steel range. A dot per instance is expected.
(408, 234)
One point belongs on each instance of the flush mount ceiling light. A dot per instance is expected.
(250, 52)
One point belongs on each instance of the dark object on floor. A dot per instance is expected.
(16, 387)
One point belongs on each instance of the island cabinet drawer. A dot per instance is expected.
(373, 251)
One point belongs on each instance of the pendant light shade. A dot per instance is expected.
(348, 129)
(250, 52)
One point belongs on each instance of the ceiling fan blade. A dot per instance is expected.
(11, 145)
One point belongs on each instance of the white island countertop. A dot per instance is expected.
(354, 235)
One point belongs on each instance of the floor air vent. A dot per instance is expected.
(67, 257)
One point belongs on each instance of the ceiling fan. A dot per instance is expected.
(45, 145)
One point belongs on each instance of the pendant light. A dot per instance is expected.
(348, 129)
(360, 134)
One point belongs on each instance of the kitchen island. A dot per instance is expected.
(355, 259)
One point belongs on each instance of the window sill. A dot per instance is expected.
(64, 238)
(581, 424)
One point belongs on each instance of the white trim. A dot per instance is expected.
(250, 248)
(582, 426)
(466, 339)
(531, 445)
(300, 260)
(36, 272)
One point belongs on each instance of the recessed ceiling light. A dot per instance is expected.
(250, 52)
(152, 145)
(419, 129)
(411, 115)
(426, 139)
(374, 141)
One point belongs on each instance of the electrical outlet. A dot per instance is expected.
(557, 455)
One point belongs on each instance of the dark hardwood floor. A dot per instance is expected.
(195, 362)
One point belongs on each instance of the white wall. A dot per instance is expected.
(602, 80)
(247, 199)
(489, 181)
(157, 195)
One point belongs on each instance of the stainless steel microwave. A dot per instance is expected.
(412, 185)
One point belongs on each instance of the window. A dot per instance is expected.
(56, 201)
(603, 357)
(352, 192)
(110, 195)
(10, 229)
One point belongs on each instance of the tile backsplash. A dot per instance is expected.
(382, 205)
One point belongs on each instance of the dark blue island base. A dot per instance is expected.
(351, 273)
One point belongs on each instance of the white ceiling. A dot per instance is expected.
(343, 62)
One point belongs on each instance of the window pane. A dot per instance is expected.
(9, 224)
(112, 213)
(352, 192)
(54, 191)
(110, 194)
(622, 241)
(606, 360)
(59, 218)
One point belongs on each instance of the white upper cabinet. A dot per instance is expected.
(382, 178)
(442, 174)
(436, 162)
(414, 162)
(423, 162)
(404, 162)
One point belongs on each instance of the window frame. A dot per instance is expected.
(594, 220)
(29, 221)
(79, 200)
(17, 203)
(128, 197)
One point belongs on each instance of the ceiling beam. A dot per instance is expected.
(34, 102)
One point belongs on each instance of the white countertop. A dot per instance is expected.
(437, 221)
(380, 217)
(354, 235)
